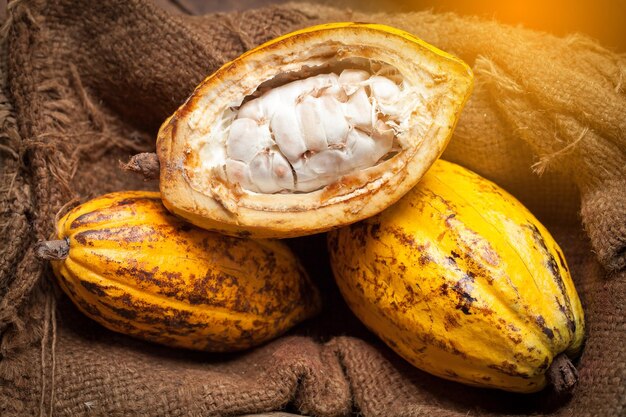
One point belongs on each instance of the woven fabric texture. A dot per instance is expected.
(86, 85)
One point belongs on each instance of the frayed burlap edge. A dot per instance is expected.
(17, 239)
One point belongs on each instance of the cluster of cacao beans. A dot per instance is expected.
(332, 128)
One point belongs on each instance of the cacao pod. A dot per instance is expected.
(310, 131)
(130, 265)
(463, 282)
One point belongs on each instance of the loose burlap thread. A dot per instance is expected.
(86, 84)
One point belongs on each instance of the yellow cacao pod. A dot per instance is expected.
(130, 265)
(313, 130)
(463, 282)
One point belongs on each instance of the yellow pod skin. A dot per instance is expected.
(462, 281)
(193, 183)
(136, 269)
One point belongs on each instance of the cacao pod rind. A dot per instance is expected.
(462, 281)
(136, 269)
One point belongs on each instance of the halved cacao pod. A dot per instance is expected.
(313, 130)
(464, 282)
(132, 266)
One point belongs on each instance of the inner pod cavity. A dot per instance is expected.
(306, 134)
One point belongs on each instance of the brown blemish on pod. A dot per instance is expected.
(541, 322)
(451, 321)
(508, 368)
(403, 238)
(561, 260)
(93, 217)
(462, 288)
(122, 312)
(127, 234)
(89, 309)
(94, 288)
(552, 267)
(446, 346)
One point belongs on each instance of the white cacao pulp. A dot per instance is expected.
(306, 134)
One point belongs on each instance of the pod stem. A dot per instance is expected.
(146, 164)
(52, 250)
(562, 374)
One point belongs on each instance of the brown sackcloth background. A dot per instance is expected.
(87, 83)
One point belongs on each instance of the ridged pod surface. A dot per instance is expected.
(313, 130)
(136, 269)
(462, 281)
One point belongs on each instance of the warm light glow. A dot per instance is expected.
(599, 19)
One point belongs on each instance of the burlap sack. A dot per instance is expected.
(90, 81)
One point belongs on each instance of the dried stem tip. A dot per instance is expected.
(146, 164)
(52, 250)
(562, 374)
